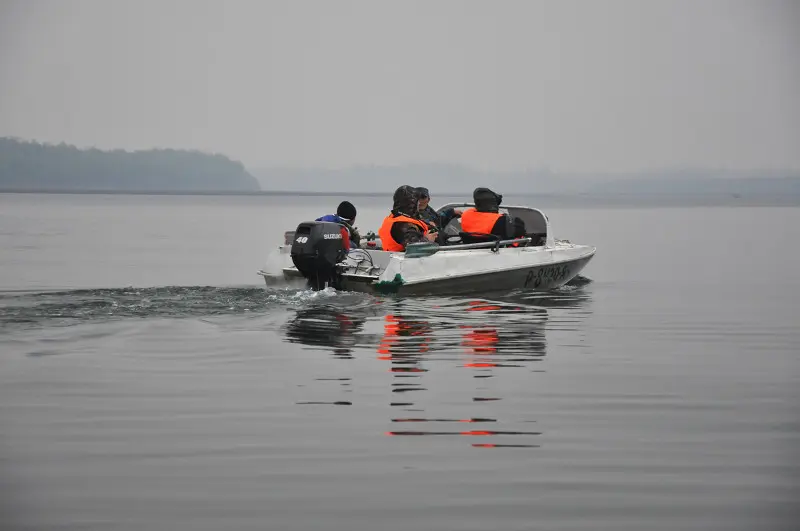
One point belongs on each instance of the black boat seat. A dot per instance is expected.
(537, 238)
(477, 237)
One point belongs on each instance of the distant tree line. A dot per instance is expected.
(30, 165)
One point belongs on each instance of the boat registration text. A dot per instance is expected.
(536, 277)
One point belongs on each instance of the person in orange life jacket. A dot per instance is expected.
(486, 218)
(345, 215)
(403, 226)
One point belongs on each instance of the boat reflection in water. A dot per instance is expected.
(325, 326)
(474, 334)
(497, 344)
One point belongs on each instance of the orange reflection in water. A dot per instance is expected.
(480, 341)
(470, 433)
(482, 306)
(403, 336)
(403, 343)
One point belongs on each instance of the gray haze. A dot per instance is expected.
(579, 86)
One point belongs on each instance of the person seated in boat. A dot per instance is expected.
(486, 218)
(435, 220)
(403, 225)
(346, 216)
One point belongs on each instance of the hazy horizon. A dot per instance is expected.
(613, 86)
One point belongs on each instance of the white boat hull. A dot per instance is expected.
(463, 271)
(502, 271)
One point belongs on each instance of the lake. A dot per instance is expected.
(150, 380)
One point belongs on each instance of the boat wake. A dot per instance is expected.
(78, 306)
(67, 307)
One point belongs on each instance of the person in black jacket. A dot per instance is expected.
(435, 220)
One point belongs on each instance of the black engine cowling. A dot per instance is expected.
(317, 247)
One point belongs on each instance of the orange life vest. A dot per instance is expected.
(480, 222)
(385, 232)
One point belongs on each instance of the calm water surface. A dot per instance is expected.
(148, 380)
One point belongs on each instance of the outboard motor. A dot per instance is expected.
(316, 249)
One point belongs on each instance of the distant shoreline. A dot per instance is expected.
(587, 199)
(192, 192)
(35, 166)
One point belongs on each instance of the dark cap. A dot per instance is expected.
(405, 201)
(486, 200)
(346, 211)
(422, 192)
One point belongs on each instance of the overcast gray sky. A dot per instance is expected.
(577, 85)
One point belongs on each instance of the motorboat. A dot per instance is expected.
(318, 253)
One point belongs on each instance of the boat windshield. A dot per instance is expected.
(535, 220)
